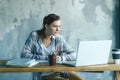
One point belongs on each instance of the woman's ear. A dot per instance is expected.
(46, 26)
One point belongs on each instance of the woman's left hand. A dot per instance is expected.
(58, 58)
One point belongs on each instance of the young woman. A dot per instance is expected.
(47, 40)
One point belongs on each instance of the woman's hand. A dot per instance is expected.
(58, 58)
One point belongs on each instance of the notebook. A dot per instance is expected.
(91, 53)
(22, 62)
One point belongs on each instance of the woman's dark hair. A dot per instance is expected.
(50, 18)
(47, 20)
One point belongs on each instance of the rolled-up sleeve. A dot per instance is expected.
(69, 53)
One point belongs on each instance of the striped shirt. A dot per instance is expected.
(35, 49)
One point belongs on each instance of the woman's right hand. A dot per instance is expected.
(58, 58)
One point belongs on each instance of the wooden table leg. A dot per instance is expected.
(116, 75)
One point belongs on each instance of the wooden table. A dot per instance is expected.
(59, 68)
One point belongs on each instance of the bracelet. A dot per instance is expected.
(46, 57)
(61, 58)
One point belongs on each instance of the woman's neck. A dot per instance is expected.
(43, 35)
(46, 39)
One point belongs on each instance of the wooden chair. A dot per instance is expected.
(71, 76)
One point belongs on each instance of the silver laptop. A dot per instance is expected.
(92, 53)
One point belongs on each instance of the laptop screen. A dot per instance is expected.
(93, 52)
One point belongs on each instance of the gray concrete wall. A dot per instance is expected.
(81, 20)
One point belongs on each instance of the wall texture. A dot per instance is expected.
(81, 20)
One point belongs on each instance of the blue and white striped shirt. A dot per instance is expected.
(34, 48)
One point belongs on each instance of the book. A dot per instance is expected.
(22, 62)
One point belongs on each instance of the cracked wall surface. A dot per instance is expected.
(81, 20)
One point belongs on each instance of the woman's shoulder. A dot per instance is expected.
(59, 38)
(33, 35)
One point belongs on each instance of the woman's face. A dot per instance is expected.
(53, 28)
